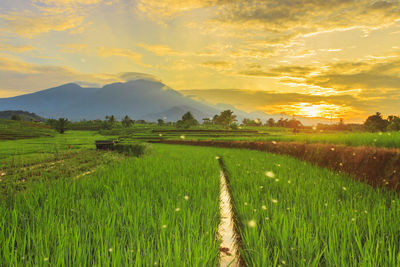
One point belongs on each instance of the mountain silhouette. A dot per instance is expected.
(139, 99)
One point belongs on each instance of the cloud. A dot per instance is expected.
(370, 75)
(279, 21)
(118, 52)
(16, 48)
(217, 65)
(72, 48)
(20, 77)
(162, 50)
(68, 2)
(170, 8)
(43, 16)
(129, 76)
(28, 24)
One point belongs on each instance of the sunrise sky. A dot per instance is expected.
(330, 58)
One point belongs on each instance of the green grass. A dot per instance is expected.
(150, 132)
(387, 139)
(131, 213)
(308, 216)
(162, 208)
(25, 151)
(72, 164)
(12, 130)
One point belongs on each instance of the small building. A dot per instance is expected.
(104, 144)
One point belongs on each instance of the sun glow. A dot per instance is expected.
(320, 110)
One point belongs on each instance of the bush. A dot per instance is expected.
(134, 150)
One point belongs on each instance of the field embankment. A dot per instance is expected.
(375, 166)
(12, 130)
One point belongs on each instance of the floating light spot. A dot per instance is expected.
(354, 153)
(261, 187)
(277, 164)
(216, 157)
(314, 128)
(186, 197)
(332, 149)
(326, 204)
(46, 259)
(177, 209)
(2, 174)
(365, 211)
(274, 142)
(353, 219)
(182, 137)
(110, 250)
(251, 223)
(380, 133)
(245, 203)
(289, 182)
(264, 207)
(159, 134)
(164, 226)
(276, 180)
(270, 174)
(344, 188)
(283, 262)
(274, 201)
(375, 139)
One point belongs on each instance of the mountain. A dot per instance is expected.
(139, 99)
(23, 115)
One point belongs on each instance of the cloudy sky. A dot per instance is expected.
(331, 58)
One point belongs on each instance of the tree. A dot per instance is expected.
(376, 123)
(127, 122)
(294, 124)
(225, 118)
(16, 117)
(394, 123)
(282, 122)
(160, 122)
(207, 121)
(270, 122)
(187, 121)
(60, 125)
(109, 122)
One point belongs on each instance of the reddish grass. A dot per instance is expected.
(375, 166)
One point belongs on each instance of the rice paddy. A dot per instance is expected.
(295, 214)
(64, 203)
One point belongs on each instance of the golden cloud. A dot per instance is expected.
(16, 48)
(162, 50)
(20, 77)
(277, 20)
(72, 48)
(29, 24)
(111, 52)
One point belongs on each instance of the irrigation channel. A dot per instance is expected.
(229, 247)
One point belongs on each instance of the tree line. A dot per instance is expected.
(227, 119)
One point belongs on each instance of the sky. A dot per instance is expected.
(332, 59)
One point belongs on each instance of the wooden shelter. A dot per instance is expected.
(104, 144)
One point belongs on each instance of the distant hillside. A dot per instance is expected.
(10, 130)
(24, 115)
(139, 99)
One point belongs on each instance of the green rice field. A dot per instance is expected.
(64, 203)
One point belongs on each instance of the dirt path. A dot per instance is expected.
(228, 250)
